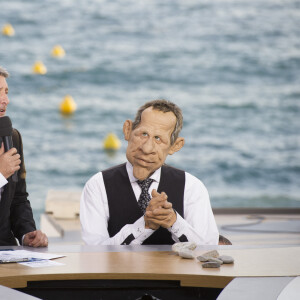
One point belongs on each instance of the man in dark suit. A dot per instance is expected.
(16, 219)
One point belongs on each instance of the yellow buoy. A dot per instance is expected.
(111, 142)
(68, 105)
(58, 51)
(39, 68)
(8, 30)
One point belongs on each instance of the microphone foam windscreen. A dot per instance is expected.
(5, 126)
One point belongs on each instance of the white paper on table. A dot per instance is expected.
(41, 263)
(18, 254)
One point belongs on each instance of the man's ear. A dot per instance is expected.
(177, 145)
(127, 128)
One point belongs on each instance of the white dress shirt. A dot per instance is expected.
(198, 224)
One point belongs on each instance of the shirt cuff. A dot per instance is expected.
(178, 228)
(23, 239)
(3, 181)
(140, 232)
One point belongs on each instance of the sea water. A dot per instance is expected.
(233, 66)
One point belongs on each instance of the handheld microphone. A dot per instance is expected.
(6, 136)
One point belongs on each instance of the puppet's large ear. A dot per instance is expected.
(177, 145)
(127, 128)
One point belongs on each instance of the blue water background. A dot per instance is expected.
(233, 66)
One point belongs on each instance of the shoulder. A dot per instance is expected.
(193, 183)
(17, 139)
(111, 173)
(95, 180)
(16, 134)
(171, 172)
(94, 186)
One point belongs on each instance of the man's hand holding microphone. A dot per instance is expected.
(9, 161)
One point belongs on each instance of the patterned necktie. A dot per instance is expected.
(144, 197)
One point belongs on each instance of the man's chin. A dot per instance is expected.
(141, 173)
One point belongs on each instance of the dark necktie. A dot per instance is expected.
(144, 197)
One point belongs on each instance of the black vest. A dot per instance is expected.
(123, 206)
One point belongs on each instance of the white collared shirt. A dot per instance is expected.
(198, 224)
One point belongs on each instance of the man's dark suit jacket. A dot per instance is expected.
(16, 217)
